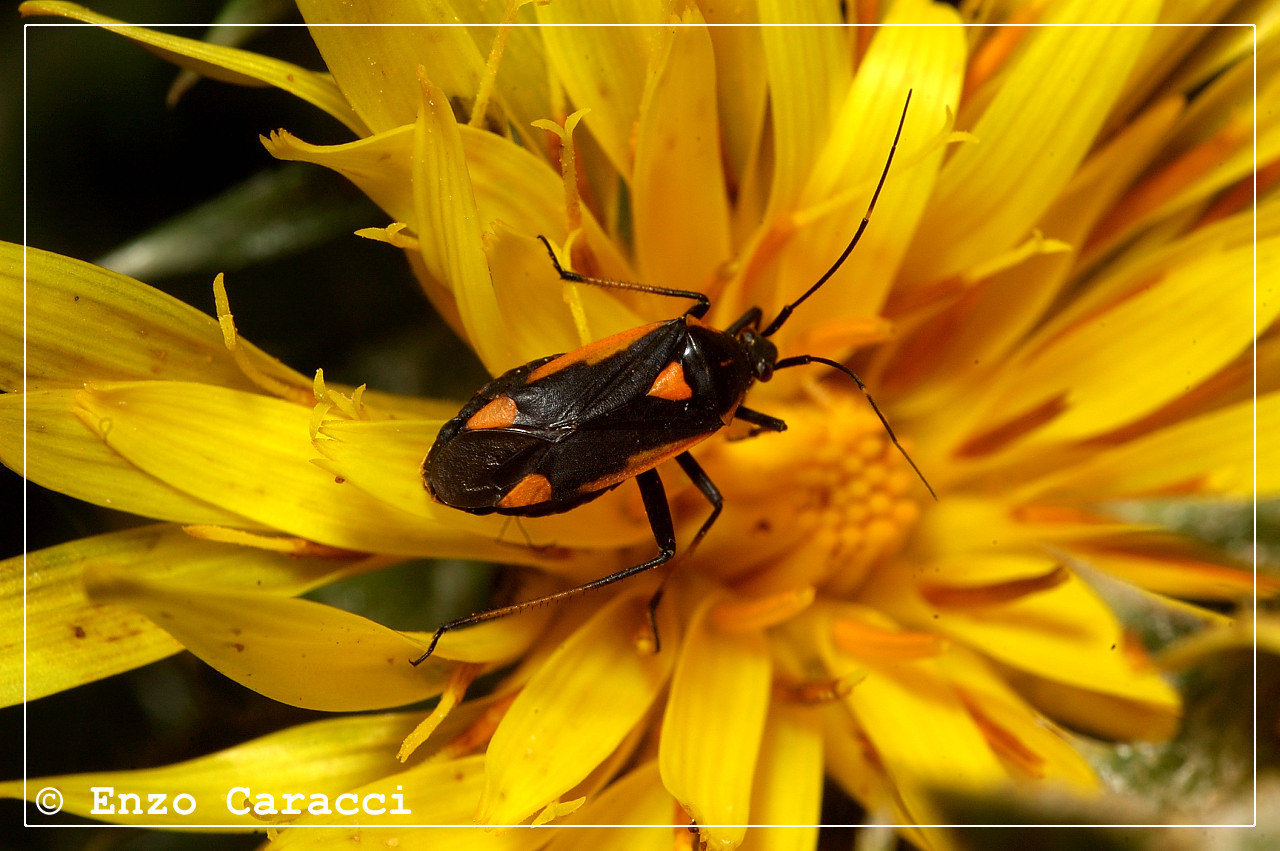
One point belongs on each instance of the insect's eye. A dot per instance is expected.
(762, 353)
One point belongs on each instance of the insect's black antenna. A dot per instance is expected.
(785, 313)
(801, 360)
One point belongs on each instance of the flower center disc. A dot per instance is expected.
(820, 504)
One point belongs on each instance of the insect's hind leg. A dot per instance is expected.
(703, 483)
(655, 505)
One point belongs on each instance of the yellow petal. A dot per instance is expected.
(1090, 367)
(921, 733)
(1064, 634)
(575, 710)
(851, 761)
(1132, 271)
(86, 323)
(66, 641)
(964, 523)
(637, 800)
(522, 84)
(680, 208)
(809, 72)
(439, 797)
(1033, 135)
(71, 641)
(449, 229)
(219, 63)
(1030, 746)
(64, 456)
(324, 757)
(1010, 302)
(251, 455)
(928, 60)
(708, 753)
(379, 165)
(603, 68)
(514, 191)
(1211, 453)
(788, 786)
(741, 93)
(1182, 576)
(534, 300)
(374, 65)
(294, 651)
(1218, 142)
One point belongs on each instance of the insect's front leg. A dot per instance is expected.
(760, 422)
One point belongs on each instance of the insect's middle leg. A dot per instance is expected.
(703, 483)
(655, 505)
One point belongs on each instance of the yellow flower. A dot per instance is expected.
(1052, 304)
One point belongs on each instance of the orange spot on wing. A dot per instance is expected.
(671, 384)
(500, 413)
(593, 352)
(530, 490)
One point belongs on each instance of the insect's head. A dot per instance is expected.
(762, 354)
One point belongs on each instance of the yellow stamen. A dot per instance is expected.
(392, 234)
(481, 104)
(812, 692)
(562, 139)
(556, 809)
(351, 406)
(980, 596)
(859, 638)
(454, 690)
(231, 340)
(1030, 247)
(275, 543)
(742, 615)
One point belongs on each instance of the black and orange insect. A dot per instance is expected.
(561, 431)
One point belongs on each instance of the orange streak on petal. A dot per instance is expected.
(861, 639)
(994, 439)
(1240, 195)
(1170, 180)
(995, 51)
(978, 596)
(813, 692)
(1036, 514)
(479, 732)
(1006, 745)
(761, 612)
